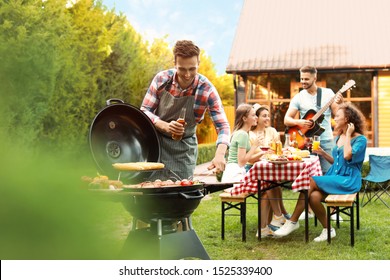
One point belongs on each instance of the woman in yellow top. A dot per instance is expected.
(268, 134)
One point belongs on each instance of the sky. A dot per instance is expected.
(211, 24)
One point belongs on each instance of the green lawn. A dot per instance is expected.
(372, 241)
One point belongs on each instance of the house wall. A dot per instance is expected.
(383, 109)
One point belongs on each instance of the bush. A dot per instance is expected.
(206, 153)
(365, 168)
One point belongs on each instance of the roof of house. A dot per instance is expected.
(284, 35)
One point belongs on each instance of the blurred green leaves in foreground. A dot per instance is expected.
(45, 213)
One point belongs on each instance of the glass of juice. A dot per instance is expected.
(316, 142)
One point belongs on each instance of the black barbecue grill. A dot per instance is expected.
(122, 133)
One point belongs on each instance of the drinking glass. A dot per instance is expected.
(316, 142)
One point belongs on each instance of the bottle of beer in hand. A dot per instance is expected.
(181, 120)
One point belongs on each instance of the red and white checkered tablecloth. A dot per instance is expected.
(298, 172)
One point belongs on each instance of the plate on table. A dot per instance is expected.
(283, 161)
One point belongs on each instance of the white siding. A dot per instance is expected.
(383, 110)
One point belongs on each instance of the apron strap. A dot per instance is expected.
(167, 85)
(319, 96)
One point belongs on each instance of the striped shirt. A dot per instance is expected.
(206, 97)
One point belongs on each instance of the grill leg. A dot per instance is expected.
(159, 227)
(146, 244)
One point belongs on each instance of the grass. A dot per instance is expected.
(371, 241)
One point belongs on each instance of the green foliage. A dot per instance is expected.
(223, 83)
(44, 211)
(206, 153)
(224, 86)
(30, 52)
(59, 64)
(365, 168)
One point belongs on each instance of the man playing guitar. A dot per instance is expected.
(306, 100)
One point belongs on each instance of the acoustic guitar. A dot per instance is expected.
(316, 118)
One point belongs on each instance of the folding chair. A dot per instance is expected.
(377, 183)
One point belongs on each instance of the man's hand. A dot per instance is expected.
(339, 98)
(176, 128)
(305, 123)
(219, 161)
(172, 127)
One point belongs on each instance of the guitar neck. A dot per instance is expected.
(323, 109)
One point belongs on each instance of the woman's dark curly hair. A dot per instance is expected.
(355, 116)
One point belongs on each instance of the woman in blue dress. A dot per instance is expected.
(343, 177)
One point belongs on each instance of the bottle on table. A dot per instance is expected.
(293, 140)
(279, 148)
(286, 140)
(273, 146)
(309, 143)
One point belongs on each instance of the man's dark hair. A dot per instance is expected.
(308, 69)
(186, 49)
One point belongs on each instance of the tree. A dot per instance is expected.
(32, 39)
(224, 86)
(61, 61)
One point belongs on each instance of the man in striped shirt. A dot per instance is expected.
(181, 87)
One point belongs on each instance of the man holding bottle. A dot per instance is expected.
(183, 87)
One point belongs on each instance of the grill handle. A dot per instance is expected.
(198, 195)
(112, 100)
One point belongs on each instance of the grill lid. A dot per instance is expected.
(122, 133)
